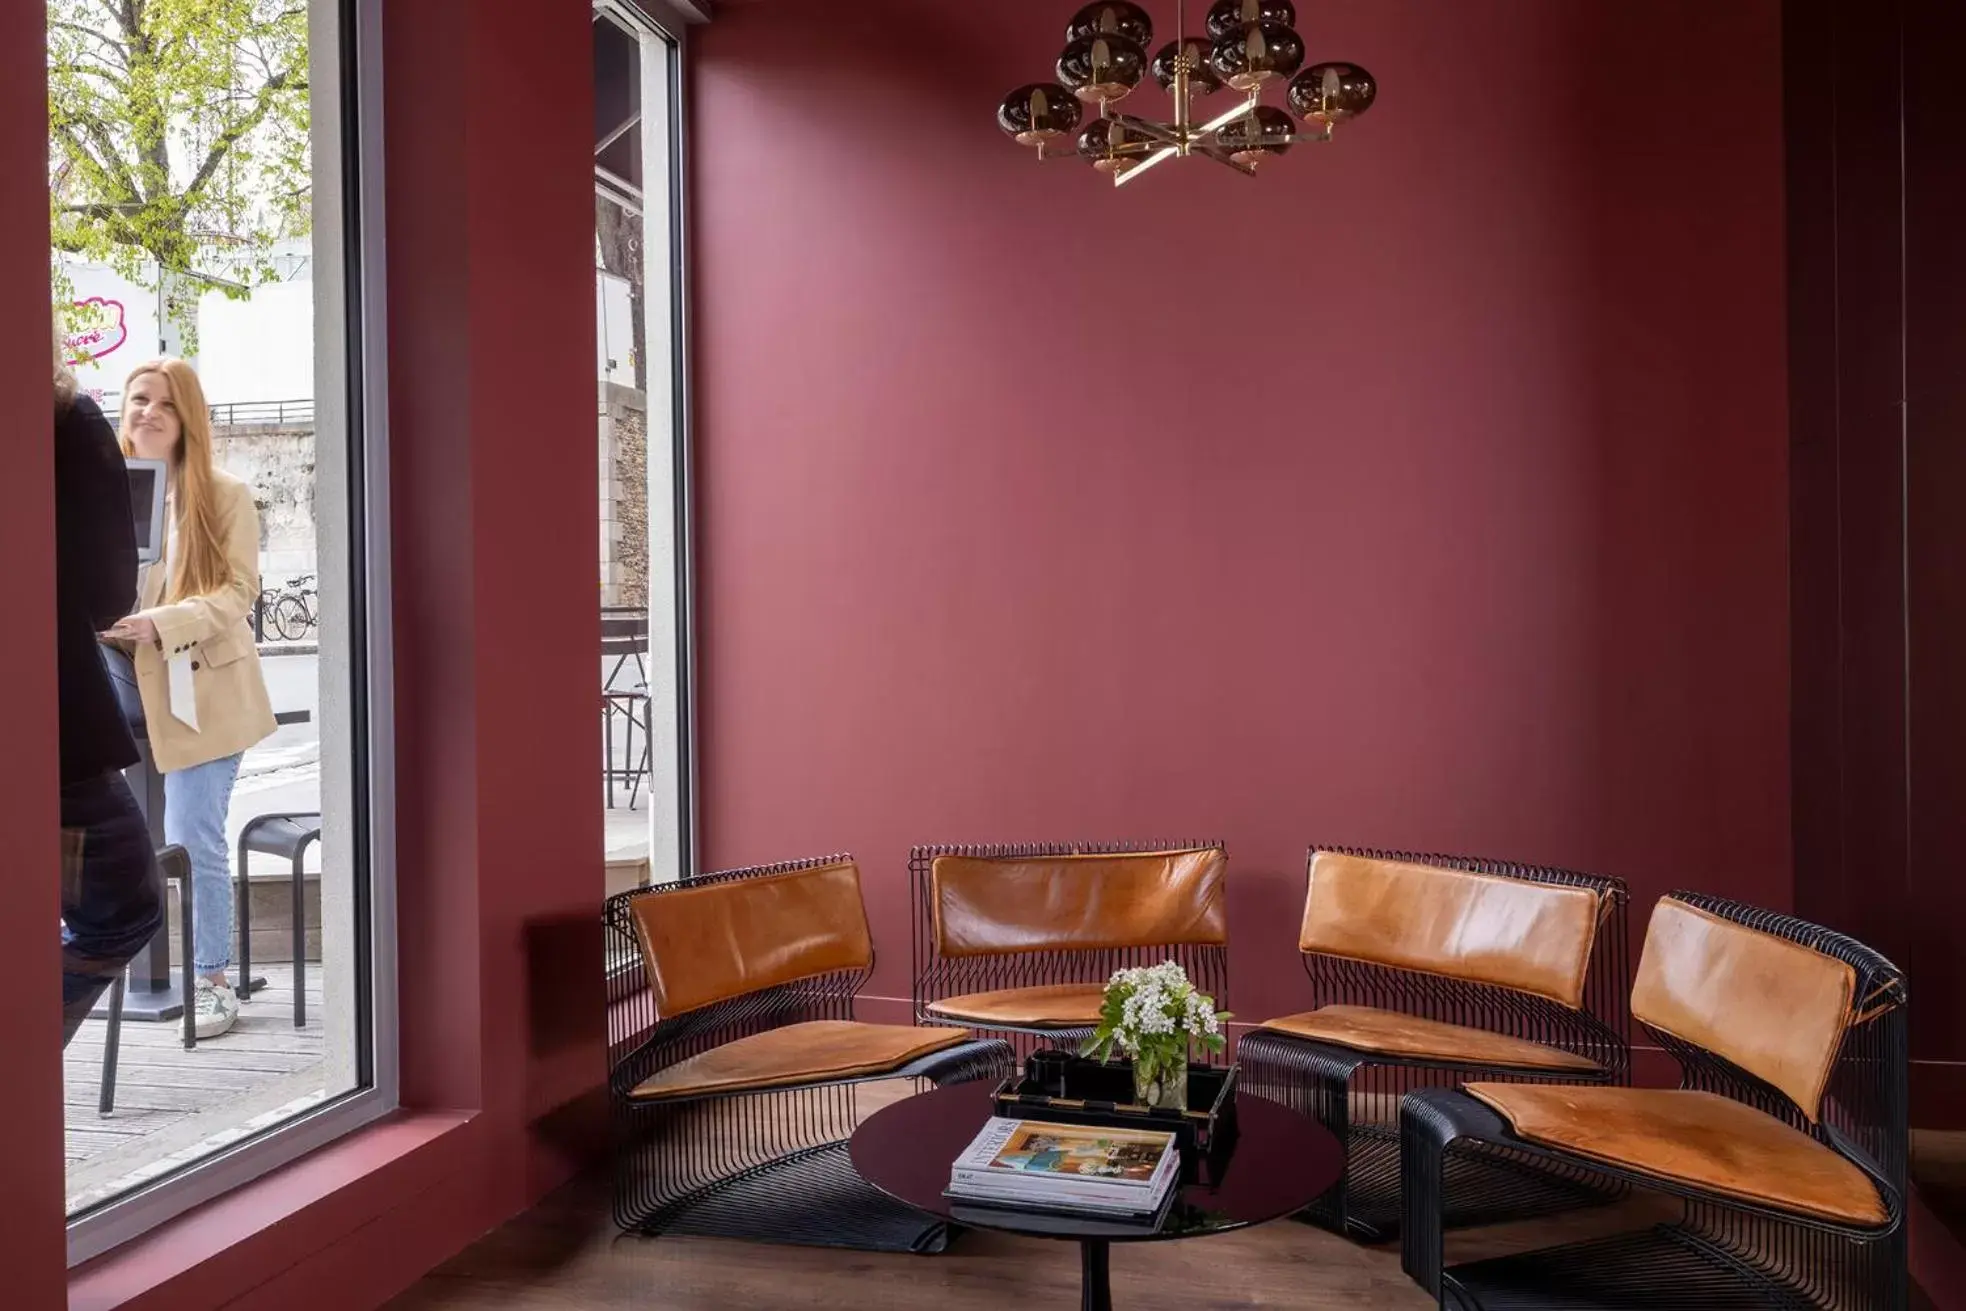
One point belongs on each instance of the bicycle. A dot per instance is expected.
(289, 612)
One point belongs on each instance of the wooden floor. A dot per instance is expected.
(172, 1104)
(1938, 1167)
(566, 1253)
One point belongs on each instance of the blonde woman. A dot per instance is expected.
(204, 699)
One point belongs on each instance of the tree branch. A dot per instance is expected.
(120, 231)
(92, 70)
(107, 180)
(62, 26)
(113, 173)
(68, 243)
(230, 137)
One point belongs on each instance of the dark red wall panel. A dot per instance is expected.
(1935, 373)
(1428, 490)
(30, 908)
(1878, 396)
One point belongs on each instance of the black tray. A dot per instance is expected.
(1070, 1089)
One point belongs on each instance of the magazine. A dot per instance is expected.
(1079, 1167)
(992, 1211)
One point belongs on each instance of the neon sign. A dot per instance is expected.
(105, 334)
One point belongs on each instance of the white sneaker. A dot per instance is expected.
(217, 1009)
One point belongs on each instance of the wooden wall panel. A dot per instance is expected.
(1935, 373)
(1877, 390)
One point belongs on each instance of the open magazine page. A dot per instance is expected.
(1093, 1168)
(1082, 1152)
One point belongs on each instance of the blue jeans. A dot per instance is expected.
(195, 803)
(112, 899)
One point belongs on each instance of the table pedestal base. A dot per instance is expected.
(1095, 1278)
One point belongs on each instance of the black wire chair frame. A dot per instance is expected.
(1356, 1094)
(769, 1165)
(937, 976)
(1720, 1252)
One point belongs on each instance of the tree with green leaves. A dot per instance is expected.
(178, 139)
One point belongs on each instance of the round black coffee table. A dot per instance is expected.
(1282, 1162)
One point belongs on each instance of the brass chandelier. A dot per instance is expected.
(1249, 44)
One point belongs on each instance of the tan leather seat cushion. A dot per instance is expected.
(990, 905)
(1696, 1138)
(1514, 933)
(1393, 1033)
(1058, 1005)
(1773, 1007)
(714, 941)
(813, 1052)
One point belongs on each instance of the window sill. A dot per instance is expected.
(274, 1222)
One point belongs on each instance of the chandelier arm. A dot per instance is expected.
(1311, 138)
(1183, 88)
(1123, 176)
(1120, 154)
(1221, 157)
(1160, 132)
(1221, 121)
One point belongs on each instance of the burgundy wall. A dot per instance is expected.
(1428, 491)
(1486, 556)
(30, 907)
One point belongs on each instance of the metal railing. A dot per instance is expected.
(236, 414)
(277, 414)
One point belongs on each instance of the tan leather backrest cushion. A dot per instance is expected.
(1533, 937)
(985, 905)
(1773, 1007)
(720, 940)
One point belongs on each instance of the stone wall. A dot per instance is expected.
(278, 463)
(624, 496)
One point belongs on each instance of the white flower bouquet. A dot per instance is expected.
(1155, 1016)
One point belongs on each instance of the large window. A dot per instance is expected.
(643, 469)
(212, 173)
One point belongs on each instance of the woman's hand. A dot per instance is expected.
(133, 628)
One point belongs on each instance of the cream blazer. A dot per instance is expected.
(215, 630)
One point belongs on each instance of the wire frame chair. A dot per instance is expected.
(938, 976)
(1356, 1094)
(770, 1165)
(1720, 1252)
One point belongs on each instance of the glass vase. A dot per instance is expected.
(1161, 1084)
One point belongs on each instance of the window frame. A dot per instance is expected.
(358, 108)
(671, 20)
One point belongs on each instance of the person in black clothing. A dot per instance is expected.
(112, 900)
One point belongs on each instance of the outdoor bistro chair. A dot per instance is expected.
(1785, 1141)
(173, 865)
(625, 702)
(733, 1058)
(1426, 969)
(1021, 939)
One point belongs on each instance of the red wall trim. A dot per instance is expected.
(206, 1257)
(31, 1239)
